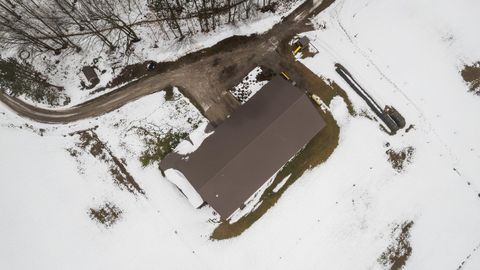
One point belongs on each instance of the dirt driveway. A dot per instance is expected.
(204, 76)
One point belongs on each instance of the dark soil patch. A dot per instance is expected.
(397, 253)
(471, 75)
(107, 214)
(400, 158)
(90, 143)
(130, 73)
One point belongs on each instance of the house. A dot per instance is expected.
(247, 149)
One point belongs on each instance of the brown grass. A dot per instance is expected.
(400, 158)
(397, 253)
(90, 143)
(107, 214)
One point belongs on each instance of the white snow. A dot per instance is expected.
(252, 203)
(338, 215)
(177, 178)
(281, 184)
(196, 137)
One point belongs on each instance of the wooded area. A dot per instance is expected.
(58, 25)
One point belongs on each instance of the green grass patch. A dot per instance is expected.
(159, 146)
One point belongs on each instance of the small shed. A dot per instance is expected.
(90, 75)
(304, 41)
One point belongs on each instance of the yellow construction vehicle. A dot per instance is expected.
(297, 50)
(302, 43)
(285, 76)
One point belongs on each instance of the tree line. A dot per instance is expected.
(58, 25)
(22, 79)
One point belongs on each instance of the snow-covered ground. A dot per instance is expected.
(339, 215)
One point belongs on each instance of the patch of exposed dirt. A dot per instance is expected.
(129, 73)
(107, 214)
(399, 159)
(398, 252)
(228, 72)
(471, 75)
(90, 143)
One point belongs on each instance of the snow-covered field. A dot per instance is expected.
(339, 215)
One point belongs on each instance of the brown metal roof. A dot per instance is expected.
(251, 145)
(90, 74)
